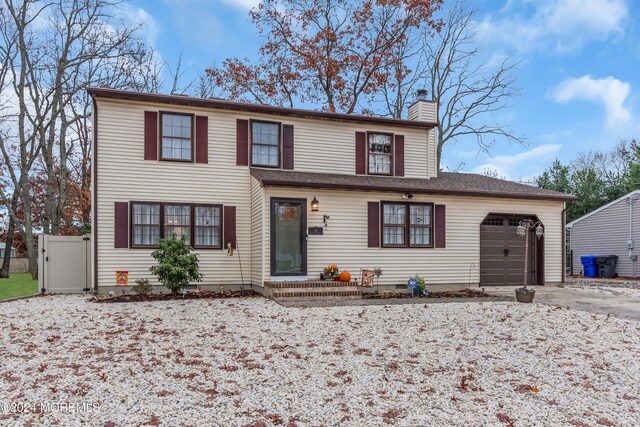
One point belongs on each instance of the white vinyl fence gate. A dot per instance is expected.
(64, 264)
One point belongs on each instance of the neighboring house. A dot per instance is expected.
(3, 245)
(223, 173)
(612, 229)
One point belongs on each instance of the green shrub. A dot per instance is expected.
(177, 264)
(142, 287)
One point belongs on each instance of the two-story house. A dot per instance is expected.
(293, 191)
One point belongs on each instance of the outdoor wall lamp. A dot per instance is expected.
(525, 225)
(523, 231)
(408, 196)
(315, 205)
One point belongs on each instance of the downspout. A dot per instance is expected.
(567, 205)
(94, 193)
(633, 258)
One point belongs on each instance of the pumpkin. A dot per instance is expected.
(345, 276)
(333, 266)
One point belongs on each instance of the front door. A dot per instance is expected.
(288, 237)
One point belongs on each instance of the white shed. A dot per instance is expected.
(612, 229)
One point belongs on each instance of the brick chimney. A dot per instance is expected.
(422, 109)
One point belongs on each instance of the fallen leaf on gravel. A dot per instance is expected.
(533, 389)
(578, 423)
(604, 422)
(154, 421)
(523, 388)
(505, 419)
(211, 391)
(392, 414)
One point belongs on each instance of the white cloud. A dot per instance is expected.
(521, 166)
(139, 16)
(609, 91)
(565, 25)
(242, 4)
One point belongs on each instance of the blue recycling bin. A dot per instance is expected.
(590, 265)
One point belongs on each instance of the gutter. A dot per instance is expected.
(94, 193)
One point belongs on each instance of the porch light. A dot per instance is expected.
(315, 205)
(522, 229)
(539, 231)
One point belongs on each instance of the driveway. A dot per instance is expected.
(593, 297)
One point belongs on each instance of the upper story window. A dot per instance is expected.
(176, 137)
(265, 144)
(407, 225)
(380, 156)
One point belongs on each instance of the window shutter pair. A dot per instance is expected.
(375, 230)
(242, 144)
(151, 137)
(361, 154)
(121, 226)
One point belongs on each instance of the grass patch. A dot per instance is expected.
(17, 285)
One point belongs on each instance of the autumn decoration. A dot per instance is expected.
(345, 276)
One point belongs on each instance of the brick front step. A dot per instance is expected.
(309, 284)
(317, 293)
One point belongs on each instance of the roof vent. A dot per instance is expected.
(422, 94)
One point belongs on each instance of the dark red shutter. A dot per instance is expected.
(373, 224)
(398, 166)
(202, 139)
(151, 135)
(440, 226)
(121, 225)
(287, 146)
(361, 153)
(229, 229)
(242, 142)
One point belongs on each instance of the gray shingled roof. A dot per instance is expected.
(463, 184)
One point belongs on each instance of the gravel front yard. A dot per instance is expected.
(251, 361)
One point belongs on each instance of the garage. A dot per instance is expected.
(502, 252)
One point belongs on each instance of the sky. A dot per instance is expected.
(578, 76)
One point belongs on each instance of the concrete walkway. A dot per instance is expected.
(620, 306)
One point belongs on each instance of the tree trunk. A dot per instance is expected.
(8, 245)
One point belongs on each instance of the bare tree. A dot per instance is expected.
(469, 93)
(22, 52)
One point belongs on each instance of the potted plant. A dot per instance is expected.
(525, 294)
